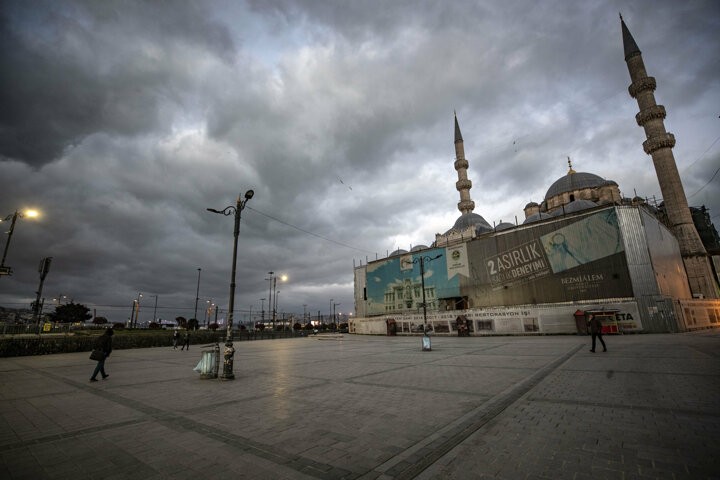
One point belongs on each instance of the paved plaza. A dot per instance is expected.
(365, 407)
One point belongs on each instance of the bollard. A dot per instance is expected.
(228, 362)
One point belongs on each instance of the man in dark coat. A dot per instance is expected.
(103, 344)
(186, 341)
(596, 331)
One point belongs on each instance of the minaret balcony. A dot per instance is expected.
(466, 206)
(461, 163)
(463, 184)
(650, 113)
(656, 142)
(645, 83)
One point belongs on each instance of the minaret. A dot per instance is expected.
(463, 185)
(659, 145)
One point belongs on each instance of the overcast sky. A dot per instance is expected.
(122, 121)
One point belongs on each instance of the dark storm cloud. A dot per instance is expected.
(73, 69)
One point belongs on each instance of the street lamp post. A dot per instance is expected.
(229, 350)
(155, 309)
(422, 259)
(277, 293)
(270, 315)
(197, 293)
(136, 311)
(331, 304)
(262, 311)
(5, 270)
(207, 313)
(334, 319)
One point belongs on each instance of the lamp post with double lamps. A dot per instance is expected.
(229, 350)
(421, 260)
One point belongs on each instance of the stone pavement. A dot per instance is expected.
(373, 408)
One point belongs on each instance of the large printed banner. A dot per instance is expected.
(573, 259)
(568, 260)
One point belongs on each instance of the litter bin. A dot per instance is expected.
(426, 345)
(208, 364)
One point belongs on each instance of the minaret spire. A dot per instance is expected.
(631, 48)
(659, 145)
(463, 185)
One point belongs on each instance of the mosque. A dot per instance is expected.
(582, 250)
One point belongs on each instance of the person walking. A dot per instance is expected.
(186, 342)
(103, 344)
(596, 332)
(176, 338)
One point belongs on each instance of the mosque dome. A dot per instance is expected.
(418, 248)
(503, 226)
(472, 220)
(535, 217)
(574, 181)
(531, 205)
(397, 252)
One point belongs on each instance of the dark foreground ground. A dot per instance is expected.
(373, 407)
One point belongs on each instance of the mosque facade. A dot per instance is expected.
(582, 250)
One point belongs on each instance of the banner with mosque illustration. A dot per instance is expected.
(395, 284)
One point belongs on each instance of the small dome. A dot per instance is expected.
(574, 181)
(503, 226)
(611, 183)
(480, 229)
(531, 204)
(579, 205)
(418, 247)
(399, 251)
(535, 217)
(469, 220)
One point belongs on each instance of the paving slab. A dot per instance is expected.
(367, 407)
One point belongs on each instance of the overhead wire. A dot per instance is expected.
(307, 231)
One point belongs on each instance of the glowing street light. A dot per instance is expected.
(5, 270)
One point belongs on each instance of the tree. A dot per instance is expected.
(100, 320)
(71, 313)
(181, 321)
(192, 324)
